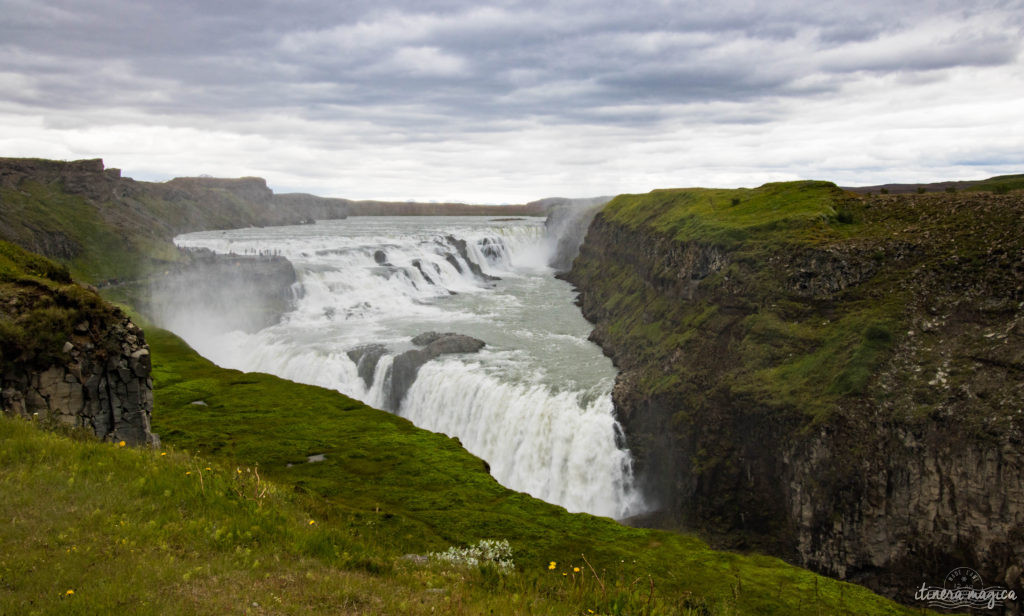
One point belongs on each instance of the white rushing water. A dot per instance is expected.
(535, 402)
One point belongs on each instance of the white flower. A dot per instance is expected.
(487, 552)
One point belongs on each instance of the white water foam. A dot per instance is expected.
(535, 403)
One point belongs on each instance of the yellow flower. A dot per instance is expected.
(163, 453)
(238, 470)
(551, 565)
(188, 472)
(564, 574)
(69, 592)
(122, 444)
(590, 610)
(207, 468)
(312, 522)
(575, 569)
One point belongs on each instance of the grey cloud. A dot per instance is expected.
(246, 56)
(437, 72)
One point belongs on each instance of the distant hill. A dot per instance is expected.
(1000, 184)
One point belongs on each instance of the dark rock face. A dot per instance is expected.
(407, 365)
(460, 246)
(916, 473)
(108, 392)
(366, 358)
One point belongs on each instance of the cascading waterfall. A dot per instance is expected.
(535, 402)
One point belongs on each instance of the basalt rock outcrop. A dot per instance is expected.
(832, 378)
(67, 356)
(433, 344)
(365, 358)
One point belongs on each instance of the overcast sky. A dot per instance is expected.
(513, 101)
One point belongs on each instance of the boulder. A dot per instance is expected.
(407, 365)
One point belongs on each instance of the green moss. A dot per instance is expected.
(92, 247)
(39, 306)
(17, 264)
(729, 216)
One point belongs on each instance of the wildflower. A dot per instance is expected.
(69, 592)
(564, 574)
(207, 468)
(312, 522)
(590, 611)
(495, 553)
(575, 569)
(188, 472)
(163, 453)
(551, 565)
(122, 444)
(238, 470)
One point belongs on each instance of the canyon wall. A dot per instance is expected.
(832, 378)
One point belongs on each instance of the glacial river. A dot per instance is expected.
(535, 402)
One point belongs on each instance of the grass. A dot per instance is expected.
(729, 216)
(173, 532)
(1000, 184)
(39, 306)
(76, 231)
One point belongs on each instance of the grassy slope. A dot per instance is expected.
(172, 542)
(39, 306)
(797, 353)
(104, 250)
(729, 216)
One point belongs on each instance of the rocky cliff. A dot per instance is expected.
(836, 379)
(66, 356)
(107, 227)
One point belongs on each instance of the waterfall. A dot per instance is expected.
(535, 403)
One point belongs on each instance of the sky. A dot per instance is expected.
(446, 100)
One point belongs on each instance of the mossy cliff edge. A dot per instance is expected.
(68, 357)
(832, 377)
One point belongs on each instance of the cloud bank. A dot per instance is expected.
(512, 101)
